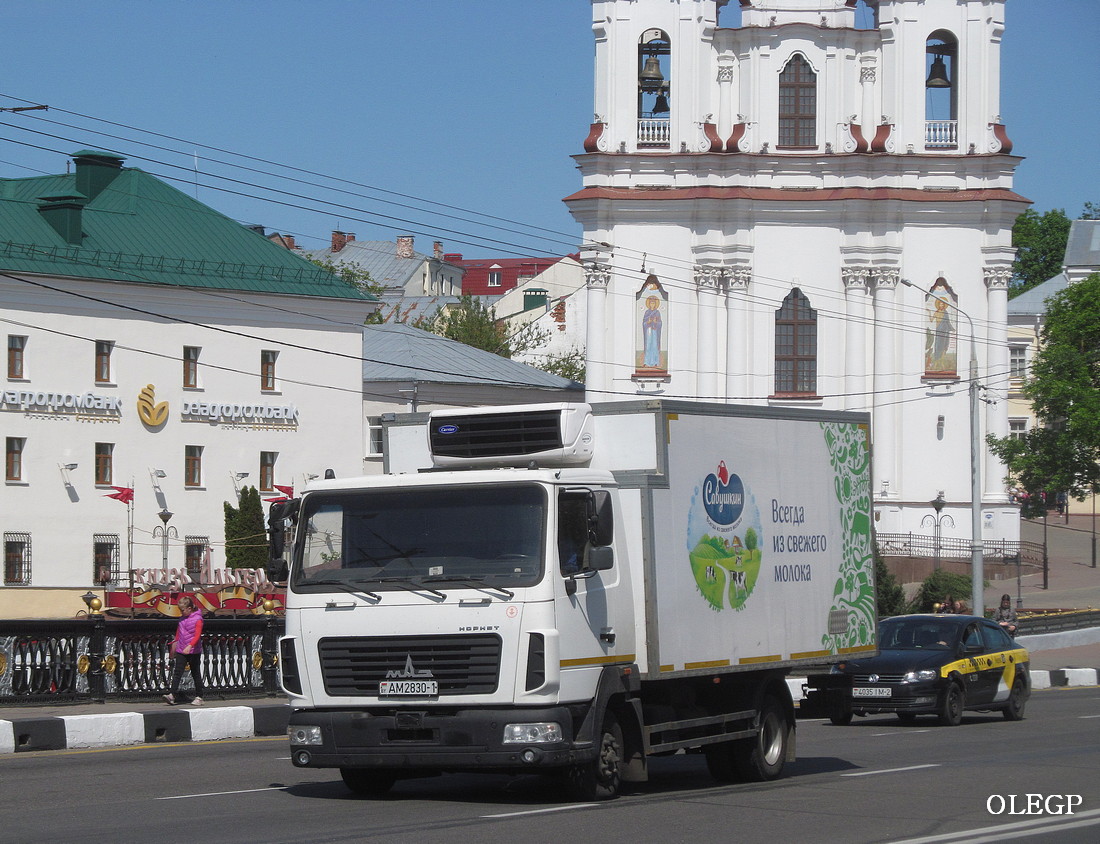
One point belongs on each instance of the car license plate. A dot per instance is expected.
(408, 688)
(872, 691)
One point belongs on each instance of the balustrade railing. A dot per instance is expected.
(941, 134)
(654, 132)
(95, 658)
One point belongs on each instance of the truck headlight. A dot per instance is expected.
(545, 732)
(923, 674)
(304, 735)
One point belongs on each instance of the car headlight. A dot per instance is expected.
(544, 732)
(304, 735)
(923, 674)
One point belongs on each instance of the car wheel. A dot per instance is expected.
(840, 714)
(600, 779)
(761, 757)
(1017, 699)
(951, 711)
(368, 782)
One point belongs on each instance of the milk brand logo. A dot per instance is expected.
(723, 496)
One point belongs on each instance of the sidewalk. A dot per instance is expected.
(1069, 658)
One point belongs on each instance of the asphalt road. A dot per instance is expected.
(874, 781)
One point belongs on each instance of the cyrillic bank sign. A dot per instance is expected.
(234, 412)
(33, 401)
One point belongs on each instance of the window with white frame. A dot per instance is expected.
(104, 463)
(192, 466)
(374, 436)
(1017, 361)
(267, 470)
(13, 458)
(267, 370)
(103, 350)
(496, 277)
(1017, 428)
(191, 367)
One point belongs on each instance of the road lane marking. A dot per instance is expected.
(900, 733)
(891, 770)
(544, 811)
(1019, 829)
(223, 793)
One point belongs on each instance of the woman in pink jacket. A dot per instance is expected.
(187, 650)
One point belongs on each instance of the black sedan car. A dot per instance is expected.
(927, 665)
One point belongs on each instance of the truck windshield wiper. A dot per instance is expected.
(409, 584)
(469, 580)
(343, 585)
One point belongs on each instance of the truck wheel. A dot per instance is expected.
(761, 757)
(720, 761)
(1014, 709)
(368, 782)
(951, 712)
(840, 714)
(601, 778)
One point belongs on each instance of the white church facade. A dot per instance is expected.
(799, 211)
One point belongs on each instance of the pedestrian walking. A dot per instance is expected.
(186, 650)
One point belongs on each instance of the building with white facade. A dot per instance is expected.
(158, 347)
(791, 210)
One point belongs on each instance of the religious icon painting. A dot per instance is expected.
(651, 330)
(941, 331)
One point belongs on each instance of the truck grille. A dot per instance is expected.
(496, 434)
(461, 664)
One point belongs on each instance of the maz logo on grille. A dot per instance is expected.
(409, 670)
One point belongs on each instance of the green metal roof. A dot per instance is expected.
(140, 229)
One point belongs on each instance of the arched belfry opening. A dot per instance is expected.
(654, 52)
(797, 104)
(941, 66)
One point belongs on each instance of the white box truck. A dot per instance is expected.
(572, 589)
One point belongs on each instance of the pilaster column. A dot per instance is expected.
(855, 337)
(725, 98)
(597, 364)
(884, 419)
(867, 74)
(996, 376)
(707, 283)
(737, 332)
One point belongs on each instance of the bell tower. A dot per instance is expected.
(809, 203)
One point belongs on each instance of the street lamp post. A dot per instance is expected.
(165, 532)
(936, 522)
(977, 575)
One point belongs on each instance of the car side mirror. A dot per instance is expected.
(601, 558)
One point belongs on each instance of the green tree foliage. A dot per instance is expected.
(1040, 241)
(890, 594)
(472, 322)
(937, 586)
(568, 365)
(751, 539)
(245, 533)
(1062, 450)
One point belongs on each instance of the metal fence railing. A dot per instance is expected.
(96, 658)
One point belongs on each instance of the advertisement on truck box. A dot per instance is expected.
(766, 556)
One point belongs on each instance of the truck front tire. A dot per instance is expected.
(601, 778)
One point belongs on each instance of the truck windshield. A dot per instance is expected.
(389, 539)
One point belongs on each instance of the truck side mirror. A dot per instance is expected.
(277, 517)
(601, 518)
(601, 558)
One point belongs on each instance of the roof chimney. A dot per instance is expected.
(405, 246)
(340, 240)
(64, 214)
(437, 250)
(95, 171)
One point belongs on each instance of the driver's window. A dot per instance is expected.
(973, 637)
(572, 532)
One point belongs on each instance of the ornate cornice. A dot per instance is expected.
(597, 276)
(885, 278)
(856, 277)
(997, 278)
(708, 278)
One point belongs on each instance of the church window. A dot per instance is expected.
(797, 105)
(654, 53)
(795, 346)
(941, 127)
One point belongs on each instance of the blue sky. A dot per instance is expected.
(451, 120)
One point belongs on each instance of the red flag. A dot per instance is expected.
(121, 493)
(288, 491)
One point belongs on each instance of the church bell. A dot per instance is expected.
(661, 105)
(651, 76)
(937, 75)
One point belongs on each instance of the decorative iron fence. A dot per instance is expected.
(955, 548)
(95, 658)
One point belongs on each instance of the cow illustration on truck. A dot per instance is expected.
(571, 589)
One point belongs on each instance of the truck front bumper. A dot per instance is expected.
(445, 740)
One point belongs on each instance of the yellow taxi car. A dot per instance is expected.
(928, 664)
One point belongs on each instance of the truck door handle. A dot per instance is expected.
(607, 636)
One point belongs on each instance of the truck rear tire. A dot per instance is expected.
(761, 758)
(368, 782)
(600, 779)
